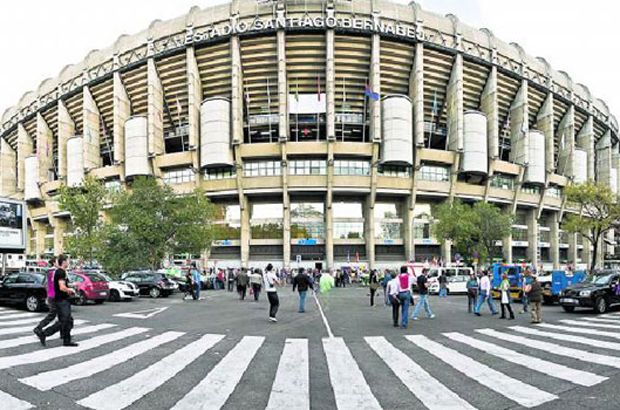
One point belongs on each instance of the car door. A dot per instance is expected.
(6, 288)
(614, 293)
(23, 284)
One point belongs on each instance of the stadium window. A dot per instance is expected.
(173, 176)
(434, 173)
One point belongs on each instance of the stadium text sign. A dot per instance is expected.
(375, 25)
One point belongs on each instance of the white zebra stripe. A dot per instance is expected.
(589, 324)
(291, 386)
(559, 371)
(124, 393)
(51, 379)
(4, 316)
(350, 388)
(28, 329)
(601, 320)
(24, 340)
(513, 389)
(213, 391)
(580, 330)
(568, 338)
(44, 355)
(13, 403)
(553, 348)
(20, 321)
(425, 387)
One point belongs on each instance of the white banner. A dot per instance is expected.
(307, 103)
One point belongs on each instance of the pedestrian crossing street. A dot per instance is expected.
(123, 367)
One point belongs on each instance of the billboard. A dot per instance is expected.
(12, 225)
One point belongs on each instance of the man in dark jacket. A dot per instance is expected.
(302, 282)
(535, 298)
(242, 283)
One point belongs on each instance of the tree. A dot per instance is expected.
(471, 228)
(598, 212)
(149, 221)
(85, 204)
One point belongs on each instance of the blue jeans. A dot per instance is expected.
(443, 292)
(302, 300)
(422, 302)
(485, 296)
(526, 301)
(196, 291)
(404, 298)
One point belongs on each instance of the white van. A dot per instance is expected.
(456, 278)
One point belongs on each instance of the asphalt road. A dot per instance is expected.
(223, 353)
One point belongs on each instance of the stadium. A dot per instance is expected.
(324, 130)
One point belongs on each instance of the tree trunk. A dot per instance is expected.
(594, 253)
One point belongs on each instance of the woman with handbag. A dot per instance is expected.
(504, 287)
(373, 284)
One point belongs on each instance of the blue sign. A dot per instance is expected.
(306, 242)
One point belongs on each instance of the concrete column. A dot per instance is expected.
(155, 115)
(330, 85)
(555, 240)
(544, 122)
(416, 93)
(507, 248)
(8, 176)
(369, 231)
(40, 232)
(446, 252)
(282, 87)
(585, 140)
(566, 130)
(122, 111)
(532, 236)
(194, 99)
(286, 204)
(45, 148)
(519, 126)
(91, 125)
(329, 218)
(24, 149)
(245, 232)
(236, 91)
(572, 248)
(66, 130)
(407, 215)
(454, 101)
(60, 227)
(375, 85)
(489, 106)
(603, 159)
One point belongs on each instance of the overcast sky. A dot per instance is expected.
(38, 38)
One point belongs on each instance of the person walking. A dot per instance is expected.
(404, 295)
(189, 285)
(230, 279)
(472, 293)
(373, 284)
(386, 279)
(62, 295)
(504, 288)
(196, 281)
(485, 295)
(526, 285)
(536, 298)
(392, 291)
(271, 281)
(302, 282)
(422, 283)
(242, 283)
(51, 302)
(443, 285)
(256, 282)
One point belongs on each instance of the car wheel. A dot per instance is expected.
(80, 299)
(600, 306)
(569, 309)
(33, 304)
(154, 293)
(99, 301)
(115, 296)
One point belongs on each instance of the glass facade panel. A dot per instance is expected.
(554, 192)
(395, 171)
(307, 167)
(262, 168)
(519, 234)
(434, 173)
(220, 173)
(112, 185)
(348, 210)
(502, 181)
(530, 189)
(173, 176)
(349, 230)
(351, 167)
(307, 220)
(544, 236)
(228, 224)
(266, 221)
(421, 230)
(388, 222)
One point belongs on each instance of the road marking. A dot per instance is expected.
(433, 394)
(569, 338)
(24, 340)
(44, 355)
(350, 388)
(49, 380)
(291, 386)
(20, 321)
(589, 324)
(28, 329)
(513, 389)
(581, 330)
(553, 348)
(559, 371)
(142, 314)
(213, 391)
(329, 330)
(11, 315)
(602, 320)
(13, 403)
(124, 393)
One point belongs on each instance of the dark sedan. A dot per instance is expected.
(150, 283)
(26, 289)
(598, 291)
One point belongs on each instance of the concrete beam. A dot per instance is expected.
(194, 99)
(283, 128)
(330, 85)
(532, 236)
(544, 122)
(66, 130)
(24, 149)
(416, 93)
(454, 101)
(122, 112)
(375, 85)
(555, 240)
(585, 140)
(91, 124)
(236, 91)
(490, 107)
(8, 166)
(45, 148)
(155, 115)
(519, 126)
(566, 130)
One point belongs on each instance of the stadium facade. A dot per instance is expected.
(325, 130)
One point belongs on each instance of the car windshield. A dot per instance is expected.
(106, 277)
(95, 277)
(599, 279)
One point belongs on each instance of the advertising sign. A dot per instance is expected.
(12, 226)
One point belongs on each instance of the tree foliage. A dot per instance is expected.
(598, 212)
(85, 204)
(471, 229)
(149, 221)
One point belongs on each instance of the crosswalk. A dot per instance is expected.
(125, 366)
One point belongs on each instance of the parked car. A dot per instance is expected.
(455, 284)
(120, 289)
(598, 291)
(150, 283)
(23, 288)
(89, 286)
